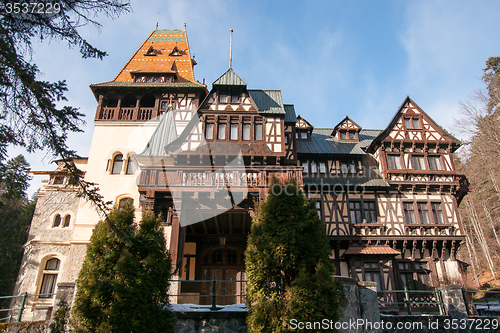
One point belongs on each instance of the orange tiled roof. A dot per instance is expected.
(163, 42)
(372, 250)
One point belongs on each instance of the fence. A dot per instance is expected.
(210, 292)
(20, 309)
(487, 303)
(411, 301)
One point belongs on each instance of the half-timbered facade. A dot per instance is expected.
(388, 198)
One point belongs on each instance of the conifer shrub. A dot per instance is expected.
(288, 266)
(123, 284)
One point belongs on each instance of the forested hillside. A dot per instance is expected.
(480, 162)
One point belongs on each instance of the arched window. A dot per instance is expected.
(130, 166)
(67, 220)
(57, 221)
(49, 278)
(124, 201)
(117, 164)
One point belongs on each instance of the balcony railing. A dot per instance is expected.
(126, 113)
(209, 178)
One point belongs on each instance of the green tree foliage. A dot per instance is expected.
(124, 280)
(16, 212)
(30, 110)
(289, 272)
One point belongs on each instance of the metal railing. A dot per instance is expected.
(214, 290)
(421, 301)
(21, 308)
(483, 304)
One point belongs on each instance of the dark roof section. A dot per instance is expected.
(149, 84)
(229, 78)
(164, 134)
(268, 101)
(322, 142)
(376, 142)
(290, 116)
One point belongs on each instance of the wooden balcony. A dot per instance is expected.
(129, 113)
(202, 179)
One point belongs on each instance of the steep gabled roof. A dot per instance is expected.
(290, 116)
(348, 123)
(164, 134)
(399, 113)
(268, 101)
(302, 123)
(154, 55)
(229, 78)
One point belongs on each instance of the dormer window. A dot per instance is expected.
(223, 98)
(235, 99)
(137, 79)
(149, 79)
(303, 135)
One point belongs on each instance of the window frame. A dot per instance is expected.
(56, 222)
(233, 131)
(424, 209)
(433, 165)
(362, 212)
(246, 137)
(130, 163)
(394, 159)
(67, 221)
(45, 274)
(412, 121)
(221, 131)
(209, 129)
(258, 133)
(113, 164)
(418, 162)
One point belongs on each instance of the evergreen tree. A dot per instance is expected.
(289, 272)
(16, 212)
(124, 280)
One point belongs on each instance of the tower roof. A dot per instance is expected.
(164, 51)
(229, 78)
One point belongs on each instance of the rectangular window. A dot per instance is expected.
(234, 131)
(343, 135)
(374, 277)
(163, 105)
(423, 212)
(286, 139)
(296, 135)
(235, 99)
(246, 132)
(418, 162)
(322, 167)
(209, 131)
(258, 132)
(303, 135)
(344, 167)
(437, 212)
(416, 124)
(370, 212)
(364, 211)
(351, 135)
(314, 167)
(149, 79)
(355, 212)
(394, 162)
(409, 213)
(223, 99)
(352, 167)
(306, 166)
(156, 79)
(221, 134)
(435, 163)
(407, 123)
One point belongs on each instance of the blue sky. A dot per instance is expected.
(329, 58)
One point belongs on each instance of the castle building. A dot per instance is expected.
(388, 198)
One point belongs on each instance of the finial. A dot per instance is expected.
(185, 25)
(157, 21)
(231, 50)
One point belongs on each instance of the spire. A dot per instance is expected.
(231, 49)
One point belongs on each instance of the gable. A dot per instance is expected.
(303, 124)
(411, 123)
